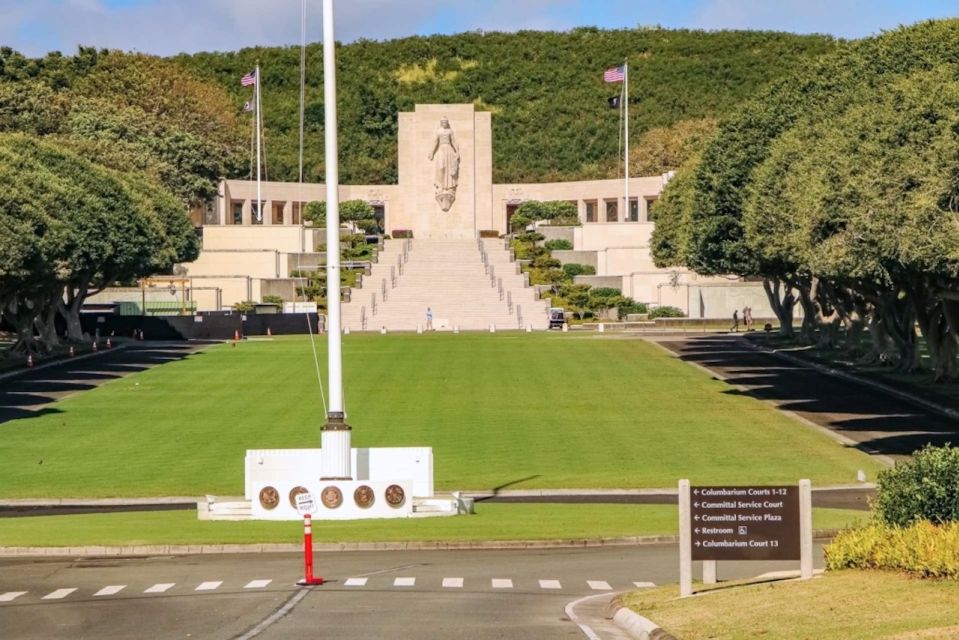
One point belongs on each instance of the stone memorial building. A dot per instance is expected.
(445, 196)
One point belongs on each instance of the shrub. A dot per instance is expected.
(925, 487)
(559, 245)
(552, 210)
(922, 549)
(244, 306)
(544, 261)
(519, 221)
(277, 300)
(666, 312)
(530, 237)
(572, 270)
(628, 306)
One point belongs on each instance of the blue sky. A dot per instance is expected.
(171, 26)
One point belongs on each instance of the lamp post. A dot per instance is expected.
(335, 436)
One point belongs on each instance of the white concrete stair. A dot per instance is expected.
(449, 277)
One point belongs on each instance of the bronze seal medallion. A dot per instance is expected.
(395, 496)
(269, 498)
(331, 497)
(363, 496)
(295, 491)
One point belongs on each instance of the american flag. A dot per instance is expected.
(616, 74)
(249, 79)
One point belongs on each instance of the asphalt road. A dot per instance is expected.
(480, 595)
(878, 423)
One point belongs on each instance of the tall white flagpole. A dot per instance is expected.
(302, 78)
(335, 456)
(626, 160)
(259, 195)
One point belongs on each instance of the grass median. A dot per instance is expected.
(502, 410)
(490, 522)
(852, 605)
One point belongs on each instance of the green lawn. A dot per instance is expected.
(491, 522)
(852, 605)
(503, 410)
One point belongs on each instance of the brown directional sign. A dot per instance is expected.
(745, 523)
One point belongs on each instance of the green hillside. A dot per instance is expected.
(545, 90)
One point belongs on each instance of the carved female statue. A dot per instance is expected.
(447, 161)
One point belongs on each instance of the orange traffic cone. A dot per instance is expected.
(268, 332)
(236, 334)
(72, 352)
(29, 360)
(109, 344)
(94, 345)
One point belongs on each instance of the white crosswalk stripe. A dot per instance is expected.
(502, 583)
(355, 582)
(209, 586)
(161, 587)
(59, 594)
(599, 585)
(452, 583)
(550, 584)
(10, 596)
(257, 584)
(111, 590)
(645, 585)
(404, 582)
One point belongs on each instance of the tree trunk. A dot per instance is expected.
(782, 307)
(46, 323)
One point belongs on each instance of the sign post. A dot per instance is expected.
(306, 505)
(743, 523)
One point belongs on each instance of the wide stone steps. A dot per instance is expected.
(449, 277)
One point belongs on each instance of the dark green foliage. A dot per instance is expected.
(244, 306)
(556, 211)
(277, 300)
(572, 270)
(666, 312)
(559, 245)
(629, 306)
(924, 487)
(545, 262)
(550, 117)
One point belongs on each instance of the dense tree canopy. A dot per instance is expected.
(838, 186)
(545, 91)
(100, 154)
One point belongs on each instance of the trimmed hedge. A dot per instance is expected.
(925, 487)
(666, 312)
(922, 549)
(559, 244)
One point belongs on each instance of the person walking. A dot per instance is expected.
(735, 326)
(429, 319)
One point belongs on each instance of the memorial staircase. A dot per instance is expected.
(471, 285)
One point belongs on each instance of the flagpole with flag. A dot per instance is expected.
(613, 76)
(259, 125)
(626, 216)
(252, 79)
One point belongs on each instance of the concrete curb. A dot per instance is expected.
(639, 627)
(62, 361)
(440, 545)
(415, 545)
(849, 377)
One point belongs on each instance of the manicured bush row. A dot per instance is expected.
(924, 487)
(922, 549)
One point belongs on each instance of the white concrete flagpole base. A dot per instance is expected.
(336, 449)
